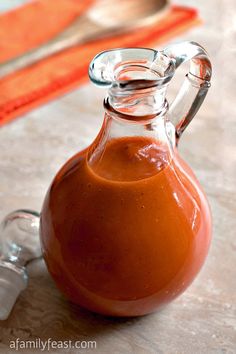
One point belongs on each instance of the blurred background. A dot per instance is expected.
(50, 111)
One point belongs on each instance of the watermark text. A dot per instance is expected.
(47, 345)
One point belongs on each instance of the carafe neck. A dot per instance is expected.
(149, 130)
(142, 102)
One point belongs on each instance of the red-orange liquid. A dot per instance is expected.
(128, 234)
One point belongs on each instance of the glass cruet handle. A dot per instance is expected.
(195, 86)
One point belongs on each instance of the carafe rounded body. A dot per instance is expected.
(125, 225)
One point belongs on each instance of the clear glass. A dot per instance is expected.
(125, 226)
(19, 241)
(19, 244)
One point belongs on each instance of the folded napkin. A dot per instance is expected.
(31, 25)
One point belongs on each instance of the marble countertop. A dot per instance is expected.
(32, 148)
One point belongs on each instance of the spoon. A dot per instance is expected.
(104, 18)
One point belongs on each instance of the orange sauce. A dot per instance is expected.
(128, 233)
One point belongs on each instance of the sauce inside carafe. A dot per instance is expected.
(125, 225)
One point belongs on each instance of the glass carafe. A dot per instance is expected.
(125, 225)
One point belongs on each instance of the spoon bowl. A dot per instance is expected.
(128, 14)
(103, 19)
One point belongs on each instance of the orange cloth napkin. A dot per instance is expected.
(28, 26)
